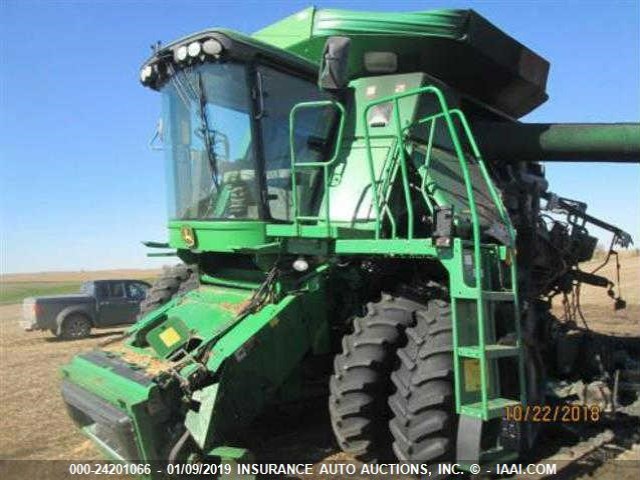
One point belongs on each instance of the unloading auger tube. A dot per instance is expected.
(559, 142)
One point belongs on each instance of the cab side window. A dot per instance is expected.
(312, 139)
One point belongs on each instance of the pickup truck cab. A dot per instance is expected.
(100, 303)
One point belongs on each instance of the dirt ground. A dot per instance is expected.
(598, 306)
(34, 422)
(35, 425)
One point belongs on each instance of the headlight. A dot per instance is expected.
(194, 49)
(212, 47)
(145, 73)
(180, 55)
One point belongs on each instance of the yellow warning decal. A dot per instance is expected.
(471, 375)
(170, 337)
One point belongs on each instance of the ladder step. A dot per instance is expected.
(495, 408)
(498, 296)
(490, 351)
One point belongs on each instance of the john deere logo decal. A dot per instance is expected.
(188, 235)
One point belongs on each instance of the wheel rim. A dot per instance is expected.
(77, 328)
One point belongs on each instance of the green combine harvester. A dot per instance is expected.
(360, 215)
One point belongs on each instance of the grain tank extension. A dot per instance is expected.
(361, 216)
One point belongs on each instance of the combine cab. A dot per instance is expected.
(372, 218)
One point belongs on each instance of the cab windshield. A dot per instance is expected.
(207, 140)
(209, 148)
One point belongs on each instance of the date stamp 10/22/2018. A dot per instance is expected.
(553, 413)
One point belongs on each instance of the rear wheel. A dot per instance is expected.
(424, 420)
(75, 326)
(173, 281)
(361, 382)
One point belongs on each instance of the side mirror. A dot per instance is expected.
(334, 68)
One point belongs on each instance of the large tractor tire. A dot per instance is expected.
(361, 383)
(173, 281)
(424, 420)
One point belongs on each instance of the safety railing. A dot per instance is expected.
(381, 187)
(495, 197)
(448, 116)
(325, 166)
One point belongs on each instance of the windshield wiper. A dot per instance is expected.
(209, 143)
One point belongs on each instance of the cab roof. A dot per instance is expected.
(235, 46)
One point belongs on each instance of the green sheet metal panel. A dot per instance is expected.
(351, 199)
(304, 32)
(104, 381)
(219, 236)
(351, 196)
(202, 314)
(459, 47)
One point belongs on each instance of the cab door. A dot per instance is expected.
(114, 307)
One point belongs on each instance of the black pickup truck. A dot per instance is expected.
(100, 303)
